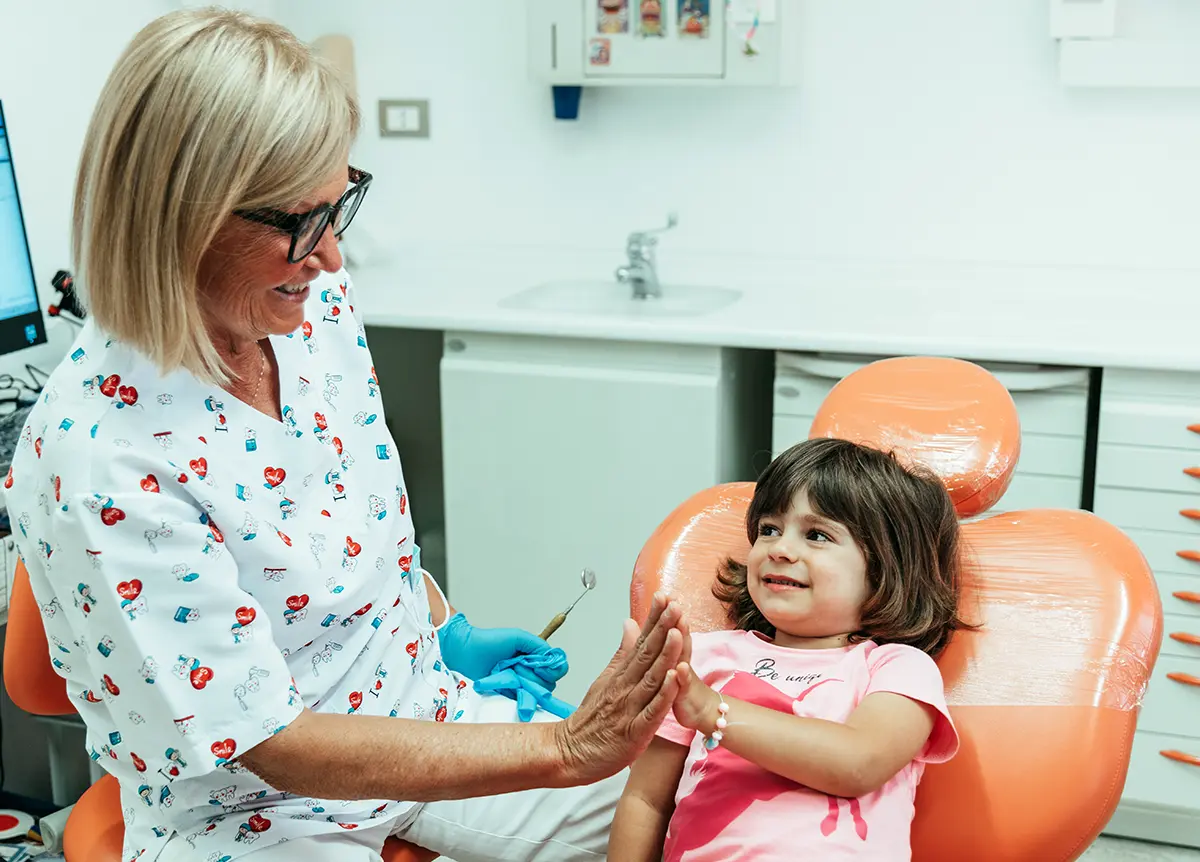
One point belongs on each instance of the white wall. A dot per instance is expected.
(923, 130)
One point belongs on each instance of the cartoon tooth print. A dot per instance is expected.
(184, 573)
(254, 826)
(325, 656)
(346, 458)
(289, 421)
(302, 385)
(185, 725)
(287, 508)
(249, 529)
(334, 480)
(102, 505)
(240, 629)
(85, 600)
(350, 554)
(223, 750)
(373, 384)
(105, 646)
(133, 603)
(175, 765)
(380, 676)
(165, 531)
(376, 507)
(274, 574)
(149, 670)
(242, 690)
(251, 440)
(135, 717)
(306, 331)
(320, 427)
(297, 609)
(363, 418)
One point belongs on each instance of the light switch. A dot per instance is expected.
(404, 118)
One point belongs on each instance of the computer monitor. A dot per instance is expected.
(21, 321)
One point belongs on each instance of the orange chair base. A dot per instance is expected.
(95, 830)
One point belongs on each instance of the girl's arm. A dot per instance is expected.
(879, 738)
(640, 825)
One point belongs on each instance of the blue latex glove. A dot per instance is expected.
(477, 653)
(511, 680)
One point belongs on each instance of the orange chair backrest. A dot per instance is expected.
(29, 678)
(1045, 694)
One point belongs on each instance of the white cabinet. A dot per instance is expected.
(1051, 402)
(561, 454)
(1148, 484)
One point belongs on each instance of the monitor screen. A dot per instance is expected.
(21, 322)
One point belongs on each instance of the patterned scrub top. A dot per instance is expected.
(204, 571)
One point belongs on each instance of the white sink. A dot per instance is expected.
(615, 299)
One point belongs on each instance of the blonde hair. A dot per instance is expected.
(207, 111)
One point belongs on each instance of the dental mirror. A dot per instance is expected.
(588, 578)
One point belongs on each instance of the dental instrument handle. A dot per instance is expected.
(555, 624)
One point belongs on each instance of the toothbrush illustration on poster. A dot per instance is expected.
(694, 19)
(650, 23)
(612, 17)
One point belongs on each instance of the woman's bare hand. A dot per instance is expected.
(625, 705)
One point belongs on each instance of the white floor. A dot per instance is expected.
(1122, 850)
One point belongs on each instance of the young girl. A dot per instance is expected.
(803, 733)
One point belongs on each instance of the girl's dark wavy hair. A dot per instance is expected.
(901, 517)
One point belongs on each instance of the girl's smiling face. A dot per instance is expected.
(808, 577)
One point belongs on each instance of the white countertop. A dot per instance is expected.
(1054, 315)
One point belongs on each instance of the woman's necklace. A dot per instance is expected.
(262, 373)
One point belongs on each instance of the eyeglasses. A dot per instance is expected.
(307, 228)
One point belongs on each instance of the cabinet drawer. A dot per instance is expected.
(1157, 780)
(1029, 491)
(1181, 385)
(1162, 549)
(787, 431)
(1123, 466)
(800, 394)
(1052, 455)
(1171, 706)
(1149, 423)
(1187, 604)
(1187, 627)
(1054, 411)
(1151, 510)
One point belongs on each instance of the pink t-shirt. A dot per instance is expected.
(727, 808)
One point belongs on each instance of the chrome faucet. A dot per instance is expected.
(641, 272)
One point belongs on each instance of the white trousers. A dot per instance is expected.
(542, 825)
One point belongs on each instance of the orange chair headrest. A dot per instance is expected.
(951, 416)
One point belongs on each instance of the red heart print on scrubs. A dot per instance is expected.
(200, 677)
(306, 328)
(128, 394)
(58, 489)
(37, 446)
(150, 483)
(337, 445)
(223, 748)
(138, 763)
(110, 384)
(258, 823)
(335, 311)
(284, 537)
(355, 699)
(319, 418)
(129, 590)
(217, 535)
(111, 515)
(353, 548)
(403, 503)
(245, 615)
(199, 467)
(406, 563)
(8, 479)
(296, 603)
(111, 686)
(274, 476)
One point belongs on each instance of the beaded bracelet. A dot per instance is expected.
(711, 742)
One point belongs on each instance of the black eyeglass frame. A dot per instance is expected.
(291, 223)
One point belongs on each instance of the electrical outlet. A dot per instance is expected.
(404, 118)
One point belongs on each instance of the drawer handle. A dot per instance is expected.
(1194, 428)
(1182, 757)
(1186, 596)
(1194, 514)
(1194, 472)
(1194, 556)
(1185, 678)
(1186, 638)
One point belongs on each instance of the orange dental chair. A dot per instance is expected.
(1045, 694)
